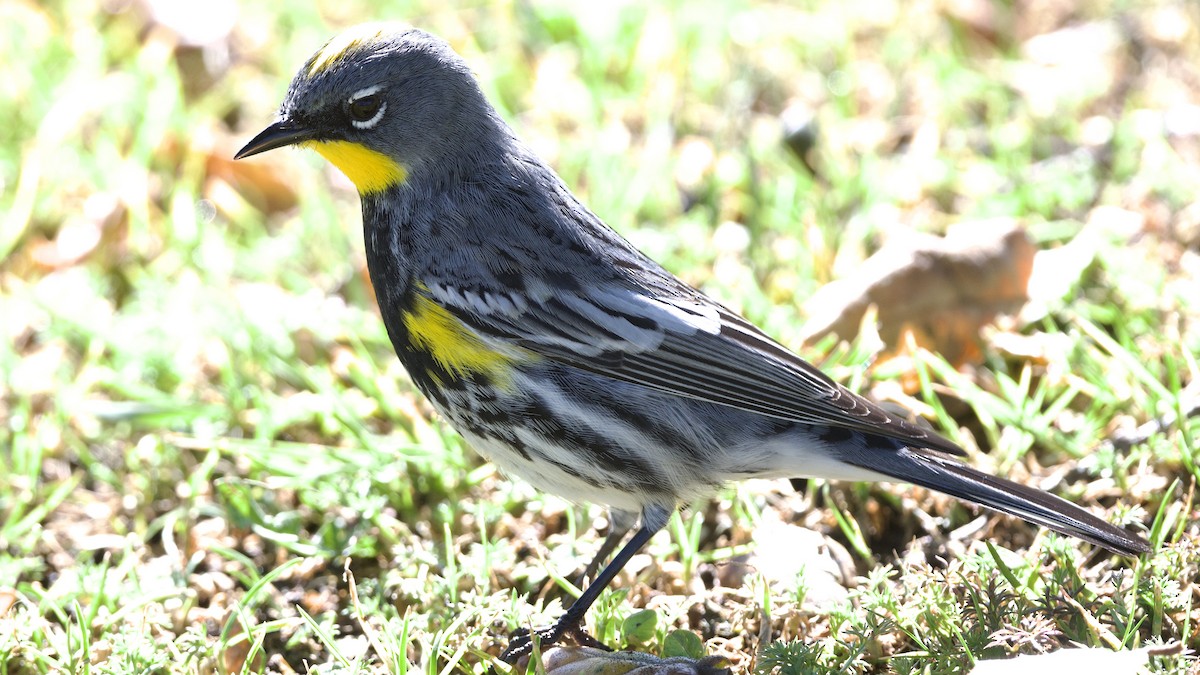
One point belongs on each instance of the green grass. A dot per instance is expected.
(213, 462)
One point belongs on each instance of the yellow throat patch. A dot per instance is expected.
(370, 171)
(453, 346)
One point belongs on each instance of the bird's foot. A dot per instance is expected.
(521, 642)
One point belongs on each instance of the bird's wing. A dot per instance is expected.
(680, 343)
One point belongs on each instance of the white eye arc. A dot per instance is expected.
(358, 98)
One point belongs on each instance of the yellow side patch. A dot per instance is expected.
(451, 344)
(370, 171)
(348, 40)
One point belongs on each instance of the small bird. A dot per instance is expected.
(559, 351)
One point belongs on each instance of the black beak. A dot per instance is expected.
(280, 134)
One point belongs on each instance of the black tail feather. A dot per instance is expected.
(954, 478)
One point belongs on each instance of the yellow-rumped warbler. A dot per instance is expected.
(558, 350)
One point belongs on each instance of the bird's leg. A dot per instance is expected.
(619, 524)
(571, 622)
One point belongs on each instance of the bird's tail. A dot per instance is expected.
(924, 468)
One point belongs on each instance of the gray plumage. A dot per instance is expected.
(618, 383)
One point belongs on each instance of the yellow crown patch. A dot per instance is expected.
(348, 40)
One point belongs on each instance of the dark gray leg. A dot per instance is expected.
(654, 518)
(619, 525)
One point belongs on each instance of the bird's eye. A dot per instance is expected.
(363, 109)
(366, 108)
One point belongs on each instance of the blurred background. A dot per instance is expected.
(213, 462)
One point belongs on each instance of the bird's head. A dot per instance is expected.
(381, 101)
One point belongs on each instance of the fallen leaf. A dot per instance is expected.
(269, 183)
(8, 598)
(789, 556)
(941, 290)
(1057, 272)
(590, 661)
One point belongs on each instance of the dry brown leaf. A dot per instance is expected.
(788, 555)
(269, 184)
(8, 598)
(589, 661)
(102, 223)
(941, 290)
(987, 21)
(235, 655)
(1057, 272)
